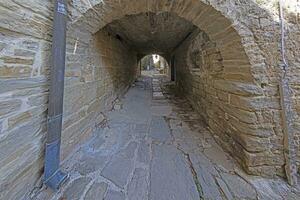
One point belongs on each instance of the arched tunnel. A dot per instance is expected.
(232, 136)
(212, 65)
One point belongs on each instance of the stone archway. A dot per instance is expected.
(241, 114)
(226, 29)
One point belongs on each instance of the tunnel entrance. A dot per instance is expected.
(211, 68)
(208, 61)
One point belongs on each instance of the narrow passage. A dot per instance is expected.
(153, 146)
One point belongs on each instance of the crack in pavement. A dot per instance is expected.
(194, 173)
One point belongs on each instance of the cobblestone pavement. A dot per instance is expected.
(154, 147)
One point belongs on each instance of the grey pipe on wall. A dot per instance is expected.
(53, 176)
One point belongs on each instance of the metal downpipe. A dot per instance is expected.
(53, 176)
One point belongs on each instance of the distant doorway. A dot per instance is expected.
(154, 64)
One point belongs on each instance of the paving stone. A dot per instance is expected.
(128, 152)
(138, 186)
(118, 170)
(219, 157)
(159, 129)
(224, 188)
(76, 189)
(239, 187)
(188, 144)
(206, 174)
(97, 142)
(270, 189)
(144, 152)
(141, 128)
(46, 194)
(90, 163)
(114, 195)
(96, 191)
(171, 177)
(120, 167)
(141, 131)
(105, 141)
(162, 110)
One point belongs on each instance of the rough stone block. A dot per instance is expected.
(76, 188)
(96, 191)
(9, 106)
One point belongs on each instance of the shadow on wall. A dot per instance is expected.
(106, 68)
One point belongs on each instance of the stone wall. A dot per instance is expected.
(240, 116)
(293, 58)
(98, 69)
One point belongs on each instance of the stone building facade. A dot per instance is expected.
(229, 68)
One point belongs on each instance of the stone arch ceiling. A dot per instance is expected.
(152, 32)
(224, 22)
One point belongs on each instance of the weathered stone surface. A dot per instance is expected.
(138, 186)
(224, 188)
(162, 110)
(220, 87)
(159, 129)
(97, 142)
(23, 117)
(2, 46)
(9, 106)
(206, 174)
(141, 130)
(143, 154)
(254, 103)
(96, 191)
(121, 165)
(114, 195)
(11, 84)
(15, 71)
(239, 187)
(24, 52)
(76, 188)
(17, 60)
(170, 167)
(90, 163)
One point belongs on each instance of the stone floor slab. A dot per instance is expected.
(138, 186)
(114, 195)
(96, 191)
(90, 163)
(170, 175)
(144, 152)
(120, 167)
(159, 129)
(206, 175)
(76, 188)
(239, 187)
